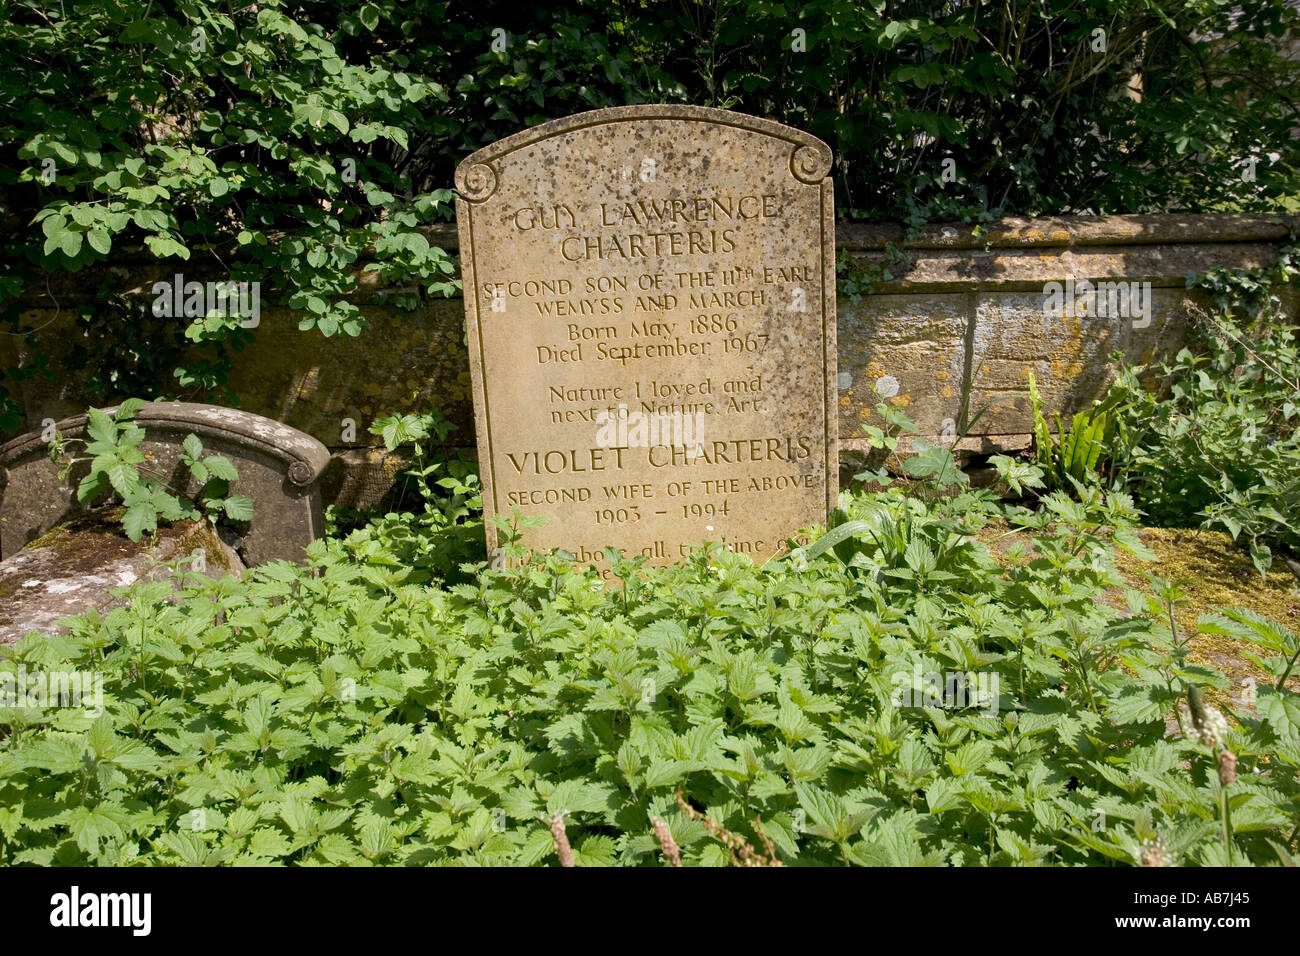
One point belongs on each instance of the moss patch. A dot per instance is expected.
(191, 536)
(84, 543)
(1215, 573)
(58, 538)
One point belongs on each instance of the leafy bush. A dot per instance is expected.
(447, 531)
(287, 143)
(1215, 439)
(117, 469)
(340, 714)
(250, 143)
(453, 496)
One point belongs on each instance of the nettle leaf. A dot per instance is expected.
(238, 508)
(578, 796)
(915, 764)
(1247, 625)
(191, 848)
(1281, 708)
(895, 841)
(297, 815)
(90, 826)
(1127, 538)
(268, 843)
(666, 773)
(56, 754)
(829, 816)
(1139, 705)
(969, 757)
(221, 467)
(595, 851)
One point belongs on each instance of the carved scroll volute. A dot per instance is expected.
(810, 164)
(476, 182)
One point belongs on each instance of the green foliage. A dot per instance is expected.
(117, 469)
(448, 530)
(1034, 110)
(930, 466)
(290, 144)
(252, 143)
(346, 713)
(1270, 635)
(453, 497)
(1072, 457)
(1213, 437)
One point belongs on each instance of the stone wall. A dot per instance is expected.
(956, 320)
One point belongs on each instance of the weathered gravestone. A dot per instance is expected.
(650, 308)
(279, 469)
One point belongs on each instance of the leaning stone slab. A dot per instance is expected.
(75, 567)
(279, 469)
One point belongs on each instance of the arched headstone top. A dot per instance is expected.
(279, 469)
(476, 176)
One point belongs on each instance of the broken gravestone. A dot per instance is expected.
(279, 469)
(76, 566)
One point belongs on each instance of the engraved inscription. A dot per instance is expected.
(649, 297)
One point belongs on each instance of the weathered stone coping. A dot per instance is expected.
(304, 457)
(870, 240)
(1123, 230)
(959, 323)
(76, 566)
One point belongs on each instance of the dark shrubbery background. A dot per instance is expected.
(283, 142)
